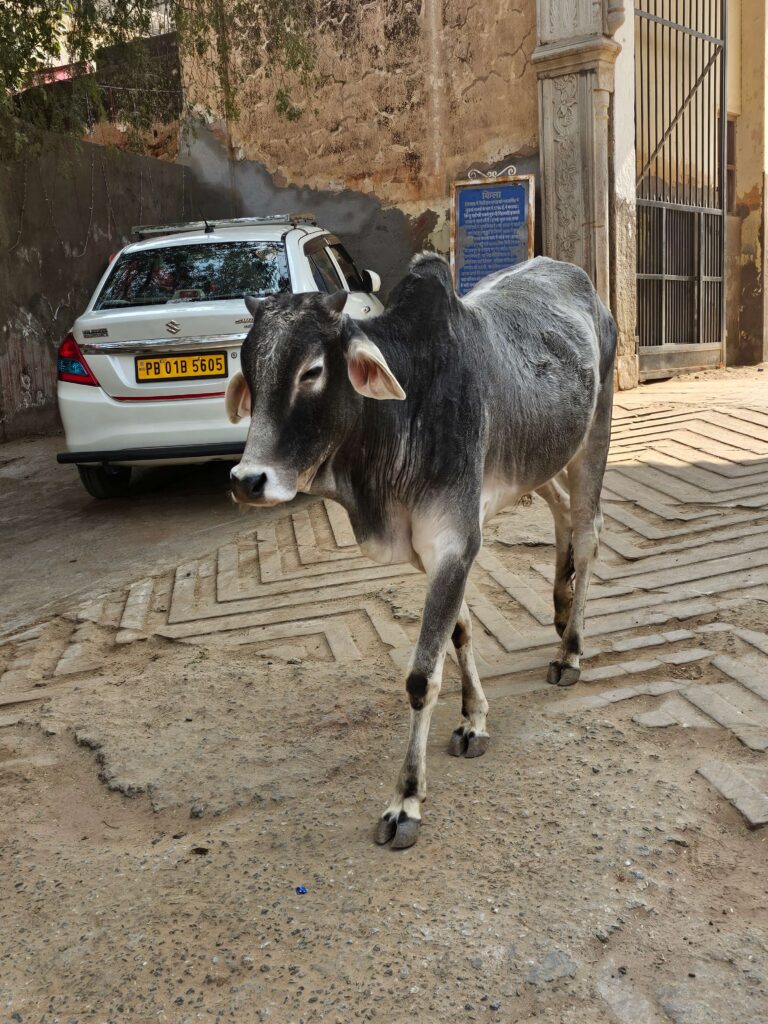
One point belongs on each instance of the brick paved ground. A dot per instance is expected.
(602, 864)
(684, 556)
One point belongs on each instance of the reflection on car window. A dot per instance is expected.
(348, 268)
(196, 273)
(325, 274)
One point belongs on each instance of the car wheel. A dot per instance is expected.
(106, 481)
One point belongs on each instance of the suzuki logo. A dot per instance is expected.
(173, 327)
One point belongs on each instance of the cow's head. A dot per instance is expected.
(303, 366)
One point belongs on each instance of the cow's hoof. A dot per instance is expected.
(465, 742)
(385, 829)
(477, 744)
(553, 673)
(407, 833)
(457, 744)
(568, 675)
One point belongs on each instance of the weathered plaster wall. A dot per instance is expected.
(379, 236)
(623, 209)
(62, 212)
(406, 96)
(403, 95)
(732, 220)
(750, 343)
(733, 42)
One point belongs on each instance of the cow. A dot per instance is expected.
(423, 423)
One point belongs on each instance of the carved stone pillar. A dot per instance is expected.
(575, 62)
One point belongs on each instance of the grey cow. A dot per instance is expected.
(424, 423)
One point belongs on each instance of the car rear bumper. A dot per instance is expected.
(172, 453)
(101, 429)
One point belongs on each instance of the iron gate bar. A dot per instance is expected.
(685, 207)
(693, 93)
(699, 310)
(683, 29)
(678, 277)
(663, 317)
(680, 75)
(723, 170)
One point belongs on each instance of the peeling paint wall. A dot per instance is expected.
(747, 340)
(406, 97)
(623, 209)
(63, 211)
(380, 237)
(405, 94)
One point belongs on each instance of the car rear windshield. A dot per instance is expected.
(196, 273)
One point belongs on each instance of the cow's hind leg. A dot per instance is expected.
(585, 480)
(470, 738)
(555, 494)
(447, 558)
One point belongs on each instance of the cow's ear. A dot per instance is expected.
(237, 399)
(335, 303)
(368, 371)
(252, 304)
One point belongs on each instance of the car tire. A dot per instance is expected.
(106, 481)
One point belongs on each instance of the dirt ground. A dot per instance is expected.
(160, 812)
(575, 853)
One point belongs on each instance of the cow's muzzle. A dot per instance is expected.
(249, 488)
(258, 485)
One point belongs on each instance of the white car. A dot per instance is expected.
(142, 374)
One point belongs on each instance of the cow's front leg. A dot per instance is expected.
(447, 574)
(470, 738)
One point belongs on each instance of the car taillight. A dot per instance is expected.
(71, 366)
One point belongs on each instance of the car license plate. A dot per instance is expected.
(202, 365)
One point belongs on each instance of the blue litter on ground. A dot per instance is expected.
(301, 890)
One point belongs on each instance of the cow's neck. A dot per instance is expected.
(359, 473)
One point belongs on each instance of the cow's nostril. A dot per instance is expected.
(256, 485)
(249, 485)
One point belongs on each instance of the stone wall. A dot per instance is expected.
(747, 340)
(379, 236)
(63, 210)
(405, 97)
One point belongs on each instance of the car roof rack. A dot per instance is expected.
(143, 231)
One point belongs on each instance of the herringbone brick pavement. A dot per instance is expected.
(685, 546)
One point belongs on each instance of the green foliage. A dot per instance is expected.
(287, 35)
(231, 39)
(39, 34)
(285, 107)
(273, 37)
(30, 35)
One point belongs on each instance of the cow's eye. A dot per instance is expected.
(311, 374)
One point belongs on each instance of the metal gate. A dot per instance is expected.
(680, 140)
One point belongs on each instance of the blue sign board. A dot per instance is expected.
(492, 227)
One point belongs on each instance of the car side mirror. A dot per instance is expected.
(371, 281)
